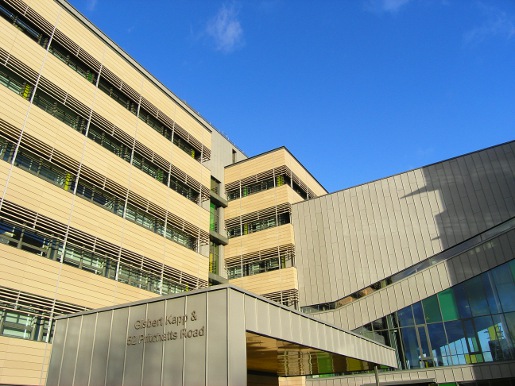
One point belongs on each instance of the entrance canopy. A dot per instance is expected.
(212, 336)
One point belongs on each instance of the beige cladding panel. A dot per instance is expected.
(16, 43)
(191, 167)
(109, 227)
(258, 241)
(106, 163)
(170, 152)
(23, 361)
(115, 113)
(174, 111)
(304, 175)
(268, 282)
(190, 124)
(168, 199)
(268, 161)
(25, 190)
(149, 137)
(259, 201)
(55, 133)
(140, 240)
(68, 141)
(37, 275)
(50, 10)
(67, 79)
(255, 165)
(15, 107)
(71, 27)
(32, 193)
(121, 68)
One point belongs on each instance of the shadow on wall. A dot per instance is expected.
(477, 192)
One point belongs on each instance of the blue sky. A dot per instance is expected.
(356, 89)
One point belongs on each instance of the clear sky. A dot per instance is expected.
(356, 89)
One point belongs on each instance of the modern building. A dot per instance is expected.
(114, 191)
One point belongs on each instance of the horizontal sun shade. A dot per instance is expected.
(17, 215)
(53, 156)
(103, 124)
(233, 188)
(96, 66)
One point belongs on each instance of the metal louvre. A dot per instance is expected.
(257, 215)
(131, 93)
(37, 305)
(287, 251)
(66, 42)
(90, 61)
(50, 227)
(9, 131)
(16, 214)
(19, 5)
(19, 67)
(183, 278)
(4, 56)
(288, 297)
(55, 92)
(189, 228)
(47, 152)
(102, 123)
(63, 161)
(112, 78)
(80, 239)
(296, 179)
(149, 107)
(36, 146)
(36, 18)
(122, 136)
(263, 176)
(165, 119)
(266, 175)
(77, 106)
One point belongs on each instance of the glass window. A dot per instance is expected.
(440, 351)
(503, 280)
(405, 317)
(432, 309)
(491, 298)
(418, 313)
(448, 305)
(457, 342)
(425, 356)
(502, 346)
(486, 333)
(476, 296)
(462, 301)
(17, 325)
(411, 350)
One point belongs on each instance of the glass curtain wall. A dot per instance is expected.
(472, 322)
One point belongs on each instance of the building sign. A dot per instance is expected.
(165, 328)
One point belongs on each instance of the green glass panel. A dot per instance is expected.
(212, 218)
(432, 309)
(325, 364)
(448, 305)
(448, 384)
